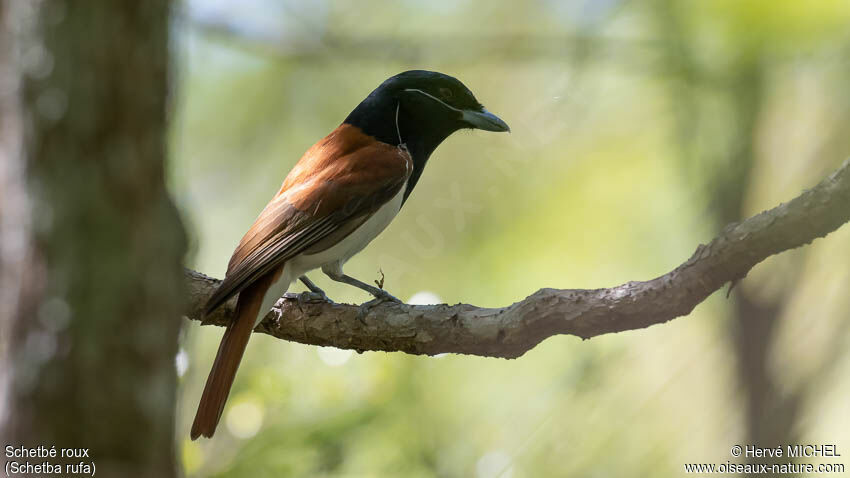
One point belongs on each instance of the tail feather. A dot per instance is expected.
(229, 356)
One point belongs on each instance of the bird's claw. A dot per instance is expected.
(307, 297)
(365, 307)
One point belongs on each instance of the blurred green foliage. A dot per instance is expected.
(621, 113)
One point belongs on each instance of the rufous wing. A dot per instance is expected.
(345, 177)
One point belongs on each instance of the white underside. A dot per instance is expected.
(335, 256)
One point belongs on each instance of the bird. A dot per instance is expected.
(337, 198)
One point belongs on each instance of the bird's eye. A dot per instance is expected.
(446, 93)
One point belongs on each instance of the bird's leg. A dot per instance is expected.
(314, 288)
(336, 274)
(315, 294)
(378, 293)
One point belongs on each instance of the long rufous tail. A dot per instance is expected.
(229, 355)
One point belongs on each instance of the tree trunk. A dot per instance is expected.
(93, 332)
(771, 418)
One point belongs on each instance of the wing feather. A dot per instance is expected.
(343, 178)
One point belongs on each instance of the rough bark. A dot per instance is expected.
(14, 206)
(511, 331)
(92, 357)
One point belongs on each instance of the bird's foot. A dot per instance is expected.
(380, 298)
(307, 297)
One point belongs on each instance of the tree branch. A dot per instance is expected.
(511, 331)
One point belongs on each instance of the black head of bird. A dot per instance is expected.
(421, 109)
